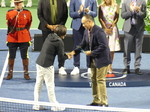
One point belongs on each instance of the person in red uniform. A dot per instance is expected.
(18, 36)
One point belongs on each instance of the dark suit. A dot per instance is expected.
(76, 24)
(99, 47)
(44, 15)
(133, 33)
(99, 61)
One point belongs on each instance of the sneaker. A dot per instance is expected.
(75, 71)
(58, 108)
(89, 71)
(3, 4)
(29, 4)
(62, 71)
(38, 107)
(12, 4)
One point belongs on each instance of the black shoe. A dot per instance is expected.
(126, 71)
(138, 71)
(94, 104)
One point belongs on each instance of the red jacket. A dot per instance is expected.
(18, 20)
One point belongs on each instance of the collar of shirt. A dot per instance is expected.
(134, 1)
(83, 2)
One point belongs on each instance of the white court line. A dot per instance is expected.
(4, 69)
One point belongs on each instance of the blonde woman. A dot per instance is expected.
(108, 17)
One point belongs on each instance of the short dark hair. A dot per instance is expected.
(61, 30)
(89, 17)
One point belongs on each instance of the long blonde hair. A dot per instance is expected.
(113, 2)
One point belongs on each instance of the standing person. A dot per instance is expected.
(77, 9)
(52, 46)
(108, 17)
(52, 13)
(19, 22)
(134, 12)
(124, 0)
(99, 58)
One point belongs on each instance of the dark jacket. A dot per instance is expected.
(99, 47)
(44, 13)
(52, 46)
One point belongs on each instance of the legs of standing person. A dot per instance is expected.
(88, 66)
(77, 38)
(128, 41)
(38, 85)
(25, 58)
(138, 52)
(47, 75)
(99, 85)
(45, 34)
(50, 84)
(12, 55)
(110, 70)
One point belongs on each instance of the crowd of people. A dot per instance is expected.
(98, 43)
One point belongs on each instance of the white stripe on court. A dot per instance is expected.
(4, 69)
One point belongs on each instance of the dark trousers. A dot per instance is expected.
(45, 34)
(77, 38)
(23, 47)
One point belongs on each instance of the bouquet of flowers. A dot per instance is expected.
(147, 18)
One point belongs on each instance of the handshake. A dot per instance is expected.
(72, 53)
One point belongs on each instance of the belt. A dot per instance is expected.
(19, 29)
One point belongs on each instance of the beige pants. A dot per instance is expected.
(98, 77)
(45, 75)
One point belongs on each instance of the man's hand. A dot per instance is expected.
(87, 9)
(70, 54)
(137, 8)
(88, 53)
(81, 9)
(108, 31)
(132, 6)
(50, 27)
(54, 27)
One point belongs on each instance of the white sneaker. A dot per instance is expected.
(89, 71)
(12, 4)
(58, 108)
(38, 107)
(29, 4)
(75, 71)
(3, 4)
(62, 71)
